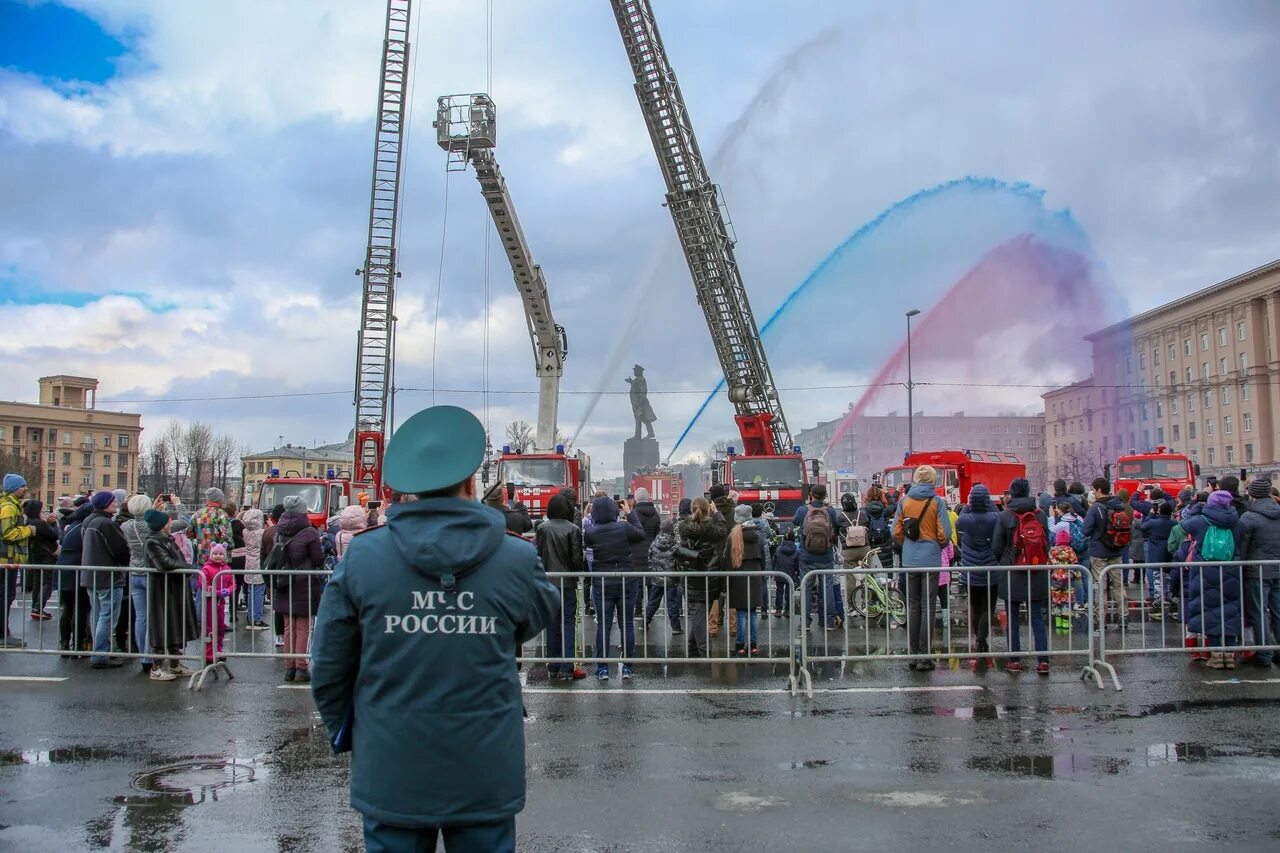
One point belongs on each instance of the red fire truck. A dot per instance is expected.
(538, 477)
(325, 496)
(958, 470)
(666, 489)
(1161, 468)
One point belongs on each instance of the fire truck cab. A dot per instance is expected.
(773, 479)
(1162, 468)
(958, 470)
(538, 477)
(325, 496)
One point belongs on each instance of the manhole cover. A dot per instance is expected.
(192, 777)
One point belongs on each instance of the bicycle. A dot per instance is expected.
(873, 597)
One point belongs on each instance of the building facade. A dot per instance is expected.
(875, 442)
(295, 461)
(1197, 375)
(65, 445)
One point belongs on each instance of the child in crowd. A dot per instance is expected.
(215, 590)
(785, 559)
(1063, 561)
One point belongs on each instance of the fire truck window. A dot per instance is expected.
(952, 481)
(335, 495)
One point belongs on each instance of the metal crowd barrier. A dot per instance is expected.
(1156, 620)
(691, 597)
(92, 612)
(884, 611)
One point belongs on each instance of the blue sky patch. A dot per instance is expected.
(54, 42)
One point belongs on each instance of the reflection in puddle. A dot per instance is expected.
(62, 755)
(1049, 766)
(193, 778)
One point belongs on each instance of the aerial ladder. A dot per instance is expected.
(770, 468)
(466, 128)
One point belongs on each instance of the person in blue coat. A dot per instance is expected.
(415, 644)
(1214, 591)
(612, 540)
(1157, 524)
(976, 524)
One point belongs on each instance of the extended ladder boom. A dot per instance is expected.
(466, 128)
(377, 310)
(703, 228)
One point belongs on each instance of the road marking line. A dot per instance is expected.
(293, 686)
(35, 678)
(1244, 681)
(744, 691)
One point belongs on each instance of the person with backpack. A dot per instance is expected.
(922, 528)
(1260, 540)
(1214, 591)
(876, 517)
(1021, 538)
(295, 549)
(1061, 495)
(1157, 524)
(855, 543)
(821, 530)
(1107, 526)
(662, 561)
(701, 540)
(976, 523)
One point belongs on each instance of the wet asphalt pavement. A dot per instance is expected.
(712, 758)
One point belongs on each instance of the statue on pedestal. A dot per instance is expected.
(640, 407)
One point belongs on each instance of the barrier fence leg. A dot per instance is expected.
(209, 624)
(1097, 633)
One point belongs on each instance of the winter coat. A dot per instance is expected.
(559, 545)
(1212, 591)
(102, 544)
(1063, 497)
(706, 536)
(927, 550)
(662, 556)
(1258, 538)
(416, 645)
(136, 532)
(611, 544)
(298, 594)
(252, 545)
(171, 613)
(977, 524)
(744, 591)
(43, 545)
(647, 518)
(1018, 585)
(517, 520)
(787, 558)
(210, 526)
(1095, 525)
(877, 510)
(839, 524)
(15, 532)
(1155, 533)
(72, 548)
(351, 521)
(765, 529)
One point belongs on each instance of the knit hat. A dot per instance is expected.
(741, 513)
(1063, 537)
(496, 495)
(214, 496)
(218, 550)
(13, 482)
(137, 505)
(1260, 488)
(293, 503)
(121, 497)
(1220, 499)
(717, 491)
(155, 519)
(65, 502)
(1020, 488)
(102, 500)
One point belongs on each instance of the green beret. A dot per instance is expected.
(436, 448)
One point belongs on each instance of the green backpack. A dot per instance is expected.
(1219, 545)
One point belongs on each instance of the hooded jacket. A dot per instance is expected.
(15, 532)
(351, 521)
(610, 541)
(1029, 584)
(43, 545)
(1155, 535)
(298, 594)
(559, 545)
(648, 519)
(1213, 591)
(253, 521)
(71, 548)
(417, 639)
(704, 537)
(662, 553)
(876, 510)
(925, 551)
(744, 591)
(977, 524)
(1095, 525)
(1065, 497)
(1258, 538)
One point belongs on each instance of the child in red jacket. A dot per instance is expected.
(215, 589)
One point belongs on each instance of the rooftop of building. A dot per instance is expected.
(343, 451)
(74, 413)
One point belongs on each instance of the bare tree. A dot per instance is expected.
(520, 436)
(26, 467)
(173, 442)
(197, 445)
(224, 455)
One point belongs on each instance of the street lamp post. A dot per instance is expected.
(911, 386)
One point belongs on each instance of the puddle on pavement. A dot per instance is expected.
(62, 755)
(193, 778)
(1063, 766)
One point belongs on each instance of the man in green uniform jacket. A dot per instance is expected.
(413, 657)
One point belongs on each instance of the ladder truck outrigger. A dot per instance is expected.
(375, 343)
(770, 469)
(466, 128)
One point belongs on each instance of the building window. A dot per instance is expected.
(1159, 409)
(88, 460)
(1248, 421)
(1244, 393)
(122, 442)
(1194, 454)
(66, 437)
(53, 458)
(1173, 377)
(1204, 370)
(1171, 353)
(66, 478)
(106, 460)
(1177, 433)
(1128, 364)
(106, 481)
(106, 440)
(1240, 331)
(1244, 362)
(1191, 431)
(1146, 412)
(1231, 454)
(1208, 427)
(1204, 342)
(1248, 453)
(1155, 358)
(1159, 435)
(122, 460)
(66, 459)
(1226, 395)
(1190, 375)
(1173, 406)
(1222, 367)
(1222, 336)
(1212, 453)
(1142, 361)
(1104, 418)
(88, 439)
(1227, 424)
(1208, 398)
(122, 480)
(1186, 346)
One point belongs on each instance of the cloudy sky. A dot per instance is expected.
(185, 190)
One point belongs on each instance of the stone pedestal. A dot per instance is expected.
(638, 453)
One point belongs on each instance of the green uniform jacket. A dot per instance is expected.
(417, 635)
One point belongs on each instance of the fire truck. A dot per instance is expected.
(1162, 468)
(325, 496)
(665, 488)
(466, 128)
(957, 471)
(770, 468)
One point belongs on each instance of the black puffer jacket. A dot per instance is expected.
(611, 541)
(44, 544)
(1258, 538)
(647, 518)
(744, 592)
(705, 537)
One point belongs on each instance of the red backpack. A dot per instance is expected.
(1119, 530)
(1030, 545)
